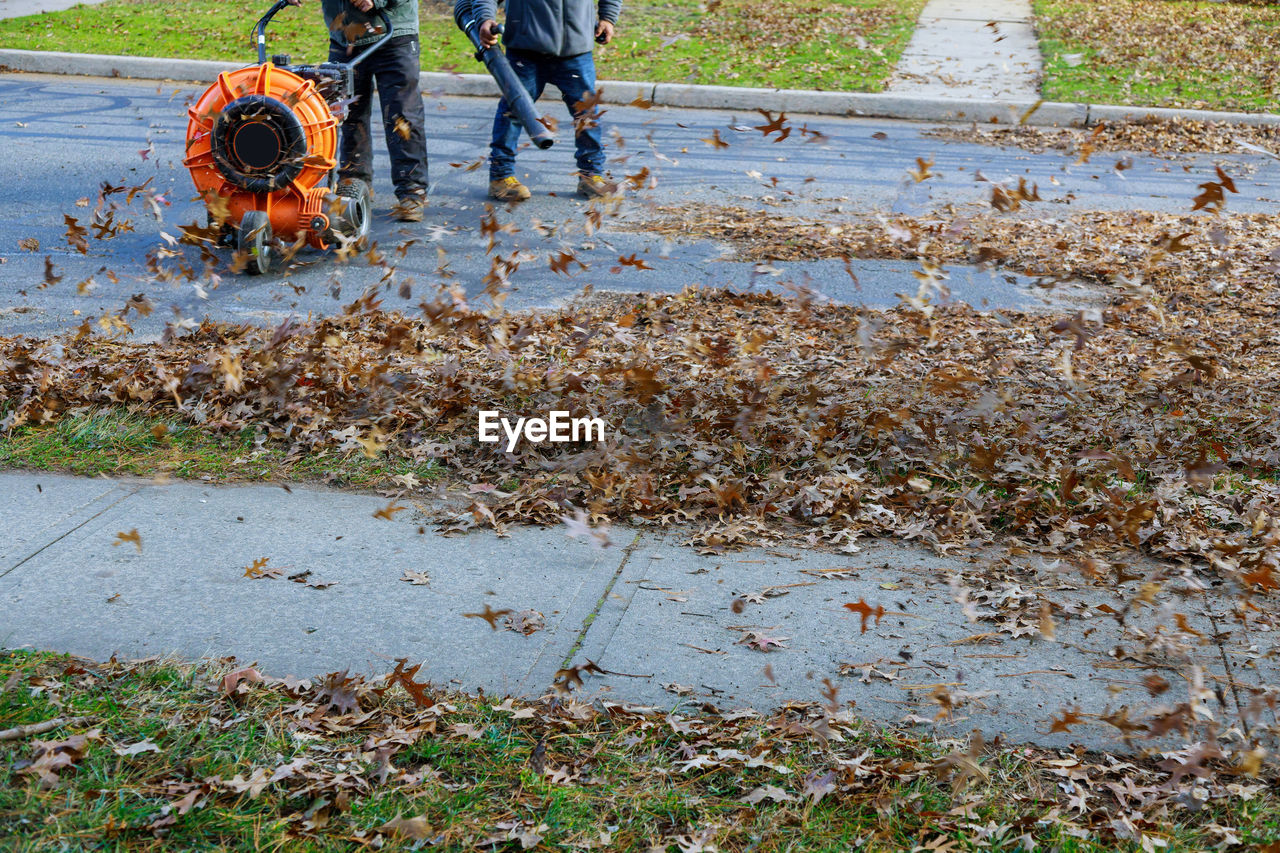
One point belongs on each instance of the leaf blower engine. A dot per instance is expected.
(261, 147)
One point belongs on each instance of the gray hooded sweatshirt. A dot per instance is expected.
(554, 27)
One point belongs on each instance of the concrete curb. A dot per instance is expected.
(802, 101)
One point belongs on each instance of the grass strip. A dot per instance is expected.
(220, 756)
(117, 441)
(1161, 53)
(816, 44)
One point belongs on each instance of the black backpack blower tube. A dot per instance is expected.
(513, 92)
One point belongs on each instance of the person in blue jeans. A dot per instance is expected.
(549, 41)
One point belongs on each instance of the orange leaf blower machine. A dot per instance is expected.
(261, 147)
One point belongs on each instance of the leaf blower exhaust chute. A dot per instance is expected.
(513, 91)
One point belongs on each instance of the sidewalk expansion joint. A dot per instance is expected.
(67, 533)
(1227, 669)
(604, 596)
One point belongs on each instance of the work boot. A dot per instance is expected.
(596, 186)
(508, 189)
(410, 209)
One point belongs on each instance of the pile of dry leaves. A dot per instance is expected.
(1157, 136)
(1150, 423)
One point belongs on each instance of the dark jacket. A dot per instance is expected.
(403, 14)
(555, 27)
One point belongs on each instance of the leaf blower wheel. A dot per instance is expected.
(258, 143)
(355, 211)
(253, 238)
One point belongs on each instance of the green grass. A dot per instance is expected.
(622, 775)
(116, 441)
(1168, 53)
(823, 44)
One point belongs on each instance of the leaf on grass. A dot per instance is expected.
(232, 682)
(257, 782)
(818, 785)
(136, 748)
(52, 757)
(416, 828)
(340, 691)
(766, 792)
(404, 676)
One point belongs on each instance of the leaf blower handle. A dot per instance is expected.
(260, 31)
(386, 37)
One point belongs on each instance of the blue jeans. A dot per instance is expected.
(575, 77)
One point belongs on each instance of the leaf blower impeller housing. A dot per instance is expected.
(261, 148)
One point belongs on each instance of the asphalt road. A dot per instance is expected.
(62, 137)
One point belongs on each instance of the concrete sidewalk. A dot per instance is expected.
(981, 49)
(660, 618)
